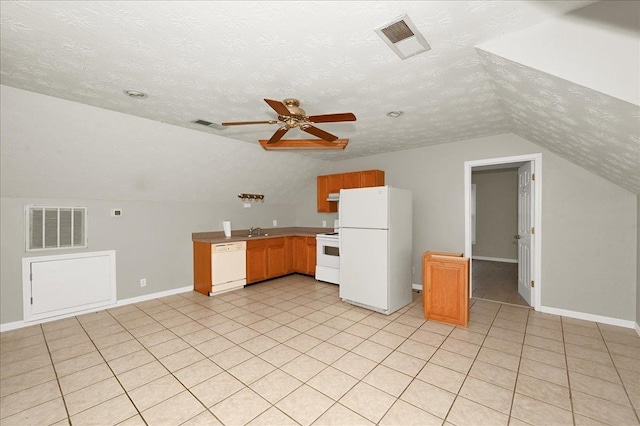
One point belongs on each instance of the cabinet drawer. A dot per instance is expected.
(251, 244)
(275, 242)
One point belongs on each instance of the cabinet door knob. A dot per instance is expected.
(517, 237)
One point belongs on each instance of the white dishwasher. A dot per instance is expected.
(228, 266)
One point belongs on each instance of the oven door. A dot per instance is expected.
(327, 253)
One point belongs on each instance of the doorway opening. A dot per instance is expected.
(503, 229)
(494, 244)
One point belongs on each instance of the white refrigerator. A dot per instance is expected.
(376, 247)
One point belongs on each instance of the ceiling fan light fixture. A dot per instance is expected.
(303, 144)
(402, 36)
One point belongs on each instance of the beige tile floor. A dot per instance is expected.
(288, 352)
(497, 281)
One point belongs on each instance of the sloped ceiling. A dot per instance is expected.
(591, 129)
(218, 60)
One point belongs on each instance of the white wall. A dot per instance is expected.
(589, 224)
(595, 46)
(169, 181)
(496, 213)
(638, 270)
(152, 240)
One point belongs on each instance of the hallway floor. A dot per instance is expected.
(497, 281)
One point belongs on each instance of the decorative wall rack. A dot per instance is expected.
(251, 197)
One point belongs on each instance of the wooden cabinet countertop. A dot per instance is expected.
(218, 237)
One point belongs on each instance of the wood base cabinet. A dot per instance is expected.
(274, 257)
(305, 255)
(445, 283)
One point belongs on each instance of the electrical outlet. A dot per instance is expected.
(324, 223)
(143, 282)
(275, 222)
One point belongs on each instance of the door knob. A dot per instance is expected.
(517, 237)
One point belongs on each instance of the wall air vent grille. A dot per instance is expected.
(209, 124)
(402, 36)
(397, 32)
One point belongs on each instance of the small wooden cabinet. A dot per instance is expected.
(445, 284)
(329, 184)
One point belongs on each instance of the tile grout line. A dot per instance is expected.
(624, 388)
(55, 371)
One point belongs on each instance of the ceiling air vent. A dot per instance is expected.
(403, 37)
(209, 124)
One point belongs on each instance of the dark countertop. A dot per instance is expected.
(218, 237)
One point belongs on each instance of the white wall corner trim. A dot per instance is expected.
(637, 327)
(590, 317)
(20, 324)
(495, 259)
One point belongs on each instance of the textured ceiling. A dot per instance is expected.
(596, 131)
(218, 60)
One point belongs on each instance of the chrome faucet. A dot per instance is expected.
(257, 230)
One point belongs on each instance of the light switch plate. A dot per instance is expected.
(275, 222)
(247, 205)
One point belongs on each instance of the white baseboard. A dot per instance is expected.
(154, 296)
(637, 327)
(494, 259)
(20, 324)
(590, 317)
(416, 286)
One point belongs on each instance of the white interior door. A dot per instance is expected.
(525, 231)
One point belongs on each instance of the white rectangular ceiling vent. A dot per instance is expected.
(209, 124)
(403, 37)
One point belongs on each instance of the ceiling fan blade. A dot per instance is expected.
(326, 136)
(240, 123)
(279, 107)
(332, 118)
(278, 134)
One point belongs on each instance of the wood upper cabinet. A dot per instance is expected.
(257, 266)
(351, 180)
(328, 184)
(445, 280)
(370, 178)
(335, 183)
(323, 192)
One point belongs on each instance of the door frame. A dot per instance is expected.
(536, 162)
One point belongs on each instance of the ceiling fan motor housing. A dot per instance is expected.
(293, 105)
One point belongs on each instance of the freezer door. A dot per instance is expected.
(364, 208)
(364, 267)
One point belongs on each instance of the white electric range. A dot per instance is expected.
(328, 257)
